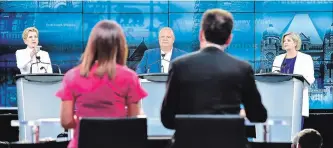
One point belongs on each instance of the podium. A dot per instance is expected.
(282, 95)
(155, 85)
(36, 100)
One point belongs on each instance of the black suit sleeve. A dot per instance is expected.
(171, 99)
(255, 110)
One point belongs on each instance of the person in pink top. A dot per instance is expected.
(102, 85)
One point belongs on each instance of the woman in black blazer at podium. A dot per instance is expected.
(295, 62)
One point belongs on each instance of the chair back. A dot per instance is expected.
(209, 131)
(113, 132)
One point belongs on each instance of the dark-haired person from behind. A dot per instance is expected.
(210, 81)
(102, 85)
(307, 138)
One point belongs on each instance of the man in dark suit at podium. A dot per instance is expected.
(210, 81)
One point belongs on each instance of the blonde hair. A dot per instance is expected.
(27, 30)
(295, 37)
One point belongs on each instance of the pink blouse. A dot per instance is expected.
(100, 97)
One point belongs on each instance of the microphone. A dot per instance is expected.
(162, 67)
(166, 60)
(283, 64)
(37, 48)
(38, 59)
(59, 70)
(277, 67)
(43, 68)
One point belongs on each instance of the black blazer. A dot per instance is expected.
(210, 81)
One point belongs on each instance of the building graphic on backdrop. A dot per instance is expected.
(320, 49)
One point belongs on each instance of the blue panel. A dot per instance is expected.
(202, 6)
(89, 21)
(187, 25)
(293, 5)
(93, 6)
(41, 6)
(242, 45)
(139, 7)
(125, 7)
(141, 27)
(186, 28)
(61, 36)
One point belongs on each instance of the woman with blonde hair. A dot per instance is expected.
(295, 62)
(102, 85)
(32, 59)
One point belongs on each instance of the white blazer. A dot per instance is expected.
(303, 66)
(24, 61)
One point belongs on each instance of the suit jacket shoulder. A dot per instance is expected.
(304, 55)
(242, 63)
(43, 52)
(180, 51)
(185, 57)
(149, 51)
(281, 56)
(20, 50)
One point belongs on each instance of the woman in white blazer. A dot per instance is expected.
(32, 57)
(295, 62)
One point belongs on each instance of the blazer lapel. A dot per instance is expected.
(280, 60)
(158, 56)
(297, 62)
(174, 53)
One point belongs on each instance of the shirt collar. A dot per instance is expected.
(162, 52)
(221, 47)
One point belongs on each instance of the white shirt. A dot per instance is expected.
(166, 61)
(24, 62)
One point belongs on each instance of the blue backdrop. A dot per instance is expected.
(65, 26)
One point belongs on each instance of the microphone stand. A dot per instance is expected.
(38, 61)
(148, 67)
(162, 55)
(162, 67)
(59, 70)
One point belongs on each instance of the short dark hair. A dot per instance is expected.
(310, 138)
(217, 25)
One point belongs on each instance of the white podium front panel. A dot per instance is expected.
(36, 100)
(152, 107)
(283, 101)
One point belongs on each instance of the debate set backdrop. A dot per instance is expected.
(65, 25)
